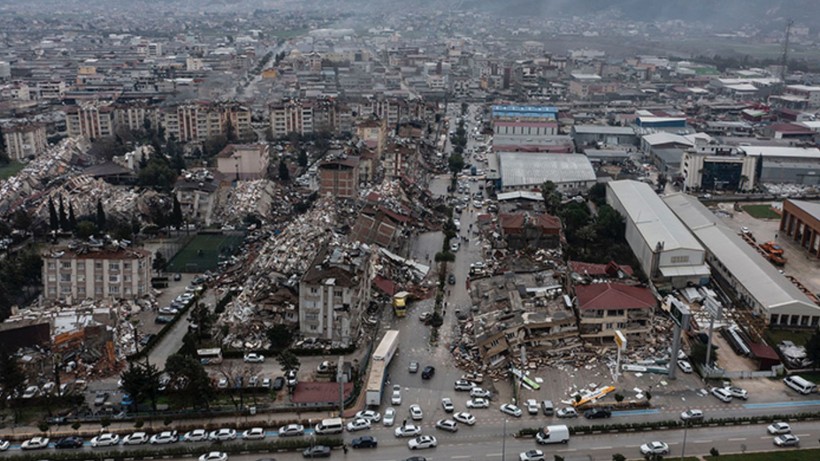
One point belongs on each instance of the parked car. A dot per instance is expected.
(464, 418)
(531, 455)
(416, 413)
(722, 394)
(463, 385)
(358, 424)
(253, 357)
(597, 413)
(389, 416)
(291, 430)
(395, 399)
(69, 442)
(511, 410)
(654, 448)
(254, 433)
(105, 440)
(222, 435)
(35, 443)
(428, 372)
(414, 367)
(4, 445)
(532, 406)
(447, 405)
(692, 415)
(370, 415)
(136, 438)
(408, 430)
(100, 398)
(737, 392)
(478, 403)
(214, 456)
(480, 392)
(364, 441)
(196, 435)
(451, 279)
(32, 392)
(164, 438)
(779, 428)
(685, 366)
(422, 442)
(278, 383)
(317, 451)
(448, 425)
(787, 440)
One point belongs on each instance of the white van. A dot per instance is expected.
(552, 434)
(801, 385)
(330, 426)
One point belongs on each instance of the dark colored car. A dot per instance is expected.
(364, 441)
(451, 279)
(57, 420)
(416, 458)
(598, 413)
(163, 319)
(318, 451)
(278, 383)
(69, 442)
(428, 372)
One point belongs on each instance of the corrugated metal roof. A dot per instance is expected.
(653, 219)
(604, 129)
(532, 168)
(752, 271)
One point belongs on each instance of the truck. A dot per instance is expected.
(552, 434)
(400, 303)
(772, 248)
(378, 365)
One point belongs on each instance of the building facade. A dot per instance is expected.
(96, 273)
(24, 140)
(339, 178)
(243, 161)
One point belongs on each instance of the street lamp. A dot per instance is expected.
(683, 448)
(504, 442)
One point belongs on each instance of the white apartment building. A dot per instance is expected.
(96, 273)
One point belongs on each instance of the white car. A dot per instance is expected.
(478, 403)
(567, 412)
(410, 430)
(531, 455)
(31, 392)
(464, 418)
(4, 445)
(415, 412)
(358, 424)
(254, 433)
(137, 438)
(685, 366)
(787, 440)
(722, 394)
(35, 443)
(480, 392)
(105, 440)
(654, 448)
(196, 435)
(164, 438)
(253, 357)
(463, 385)
(779, 428)
(511, 410)
(389, 416)
(448, 425)
(395, 399)
(214, 456)
(692, 415)
(532, 406)
(738, 392)
(291, 430)
(222, 435)
(422, 441)
(447, 405)
(370, 415)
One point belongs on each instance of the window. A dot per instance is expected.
(337, 292)
(65, 277)
(52, 278)
(313, 290)
(126, 266)
(51, 266)
(65, 265)
(114, 279)
(313, 327)
(81, 278)
(680, 259)
(65, 289)
(97, 265)
(312, 317)
(81, 291)
(114, 266)
(98, 278)
(114, 289)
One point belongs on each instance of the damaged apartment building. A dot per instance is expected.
(519, 316)
(334, 293)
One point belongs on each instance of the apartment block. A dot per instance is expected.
(339, 178)
(24, 140)
(243, 161)
(102, 272)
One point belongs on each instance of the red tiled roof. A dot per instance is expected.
(763, 351)
(385, 286)
(511, 220)
(612, 296)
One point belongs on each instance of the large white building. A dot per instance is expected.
(571, 173)
(667, 251)
(738, 267)
(96, 273)
(25, 140)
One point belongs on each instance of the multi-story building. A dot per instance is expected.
(90, 121)
(339, 178)
(334, 293)
(606, 307)
(291, 116)
(715, 167)
(197, 193)
(24, 140)
(96, 273)
(243, 161)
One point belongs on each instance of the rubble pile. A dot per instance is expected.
(83, 192)
(279, 261)
(250, 197)
(31, 180)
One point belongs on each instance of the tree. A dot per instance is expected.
(619, 398)
(552, 198)
(21, 220)
(72, 220)
(597, 194)
(53, 219)
(159, 262)
(574, 216)
(157, 174)
(714, 452)
(813, 347)
(43, 426)
(287, 360)
(618, 457)
(12, 378)
(203, 319)
(302, 159)
(176, 214)
(76, 425)
(280, 337)
(100, 217)
(284, 173)
(230, 131)
(85, 229)
(610, 225)
(456, 163)
(189, 380)
(141, 383)
(63, 215)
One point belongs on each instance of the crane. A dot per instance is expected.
(785, 60)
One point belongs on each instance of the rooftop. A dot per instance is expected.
(603, 129)
(614, 296)
(783, 152)
(526, 168)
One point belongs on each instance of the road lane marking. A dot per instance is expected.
(601, 448)
(489, 455)
(739, 439)
(799, 403)
(460, 457)
(803, 435)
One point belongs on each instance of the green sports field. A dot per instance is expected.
(202, 252)
(761, 211)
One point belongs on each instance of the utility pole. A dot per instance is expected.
(504, 442)
(785, 60)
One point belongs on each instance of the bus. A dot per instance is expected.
(211, 356)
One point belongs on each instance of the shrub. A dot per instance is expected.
(618, 457)
(714, 452)
(619, 398)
